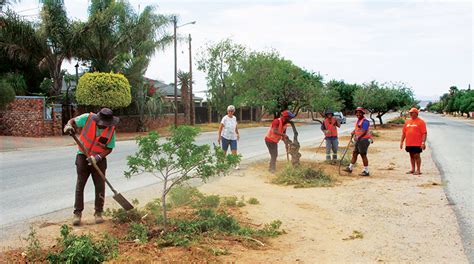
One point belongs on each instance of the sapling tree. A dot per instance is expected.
(177, 160)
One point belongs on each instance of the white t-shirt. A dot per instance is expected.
(228, 131)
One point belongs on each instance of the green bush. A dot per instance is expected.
(208, 201)
(184, 195)
(398, 120)
(7, 93)
(103, 90)
(17, 81)
(122, 216)
(82, 249)
(303, 177)
(46, 86)
(230, 201)
(138, 231)
(253, 201)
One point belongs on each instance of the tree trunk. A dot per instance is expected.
(251, 114)
(380, 119)
(240, 114)
(185, 102)
(163, 204)
(373, 120)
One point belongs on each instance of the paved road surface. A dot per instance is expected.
(34, 182)
(452, 145)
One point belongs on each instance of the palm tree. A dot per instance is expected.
(184, 79)
(49, 43)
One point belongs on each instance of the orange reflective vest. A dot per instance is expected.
(274, 137)
(331, 130)
(90, 139)
(358, 131)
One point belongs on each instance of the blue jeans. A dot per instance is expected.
(226, 142)
(331, 144)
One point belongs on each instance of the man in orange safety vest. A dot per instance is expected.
(329, 128)
(98, 137)
(361, 136)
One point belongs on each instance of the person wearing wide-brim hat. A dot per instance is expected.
(98, 137)
(329, 128)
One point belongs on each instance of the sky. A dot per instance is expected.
(425, 44)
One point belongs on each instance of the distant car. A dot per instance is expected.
(340, 117)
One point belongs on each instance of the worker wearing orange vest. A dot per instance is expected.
(361, 136)
(329, 128)
(277, 132)
(98, 137)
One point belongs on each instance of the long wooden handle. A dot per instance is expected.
(83, 149)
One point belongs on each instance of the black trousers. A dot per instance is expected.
(273, 149)
(83, 172)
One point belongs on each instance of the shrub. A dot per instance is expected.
(303, 177)
(82, 249)
(253, 201)
(17, 82)
(230, 201)
(208, 201)
(46, 86)
(33, 250)
(103, 90)
(122, 216)
(138, 231)
(398, 120)
(7, 93)
(184, 195)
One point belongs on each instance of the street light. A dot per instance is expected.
(176, 68)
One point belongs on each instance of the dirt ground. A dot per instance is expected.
(387, 217)
(402, 218)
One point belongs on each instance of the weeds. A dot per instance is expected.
(122, 216)
(253, 201)
(303, 177)
(138, 231)
(208, 201)
(82, 249)
(398, 121)
(33, 250)
(184, 195)
(355, 235)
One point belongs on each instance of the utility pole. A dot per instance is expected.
(192, 119)
(175, 75)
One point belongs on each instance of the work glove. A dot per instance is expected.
(354, 140)
(69, 129)
(94, 159)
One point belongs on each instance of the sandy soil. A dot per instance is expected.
(402, 218)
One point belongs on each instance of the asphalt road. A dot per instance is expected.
(452, 144)
(34, 182)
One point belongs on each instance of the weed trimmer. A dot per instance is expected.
(344, 155)
(117, 196)
(319, 147)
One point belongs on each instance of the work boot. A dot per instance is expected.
(76, 221)
(364, 173)
(347, 169)
(98, 218)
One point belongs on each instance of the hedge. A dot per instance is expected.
(7, 93)
(104, 90)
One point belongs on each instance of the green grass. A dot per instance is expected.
(253, 201)
(303, 177)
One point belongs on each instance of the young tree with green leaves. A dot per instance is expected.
(178, 160)
(219, 61)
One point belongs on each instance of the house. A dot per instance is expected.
(167, 91)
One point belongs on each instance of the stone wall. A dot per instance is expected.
(28, 116)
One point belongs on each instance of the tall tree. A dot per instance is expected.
(49, 43)
(184, 80)
(219, 61)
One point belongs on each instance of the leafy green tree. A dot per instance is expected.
(219, 61)
(177, 160)
(103, 90)
(49, 43)
(267, 79)
(17, 81)
(345, 93)
(380, 99)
